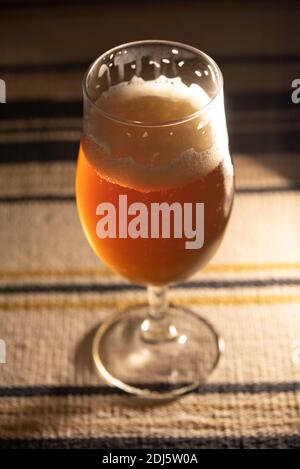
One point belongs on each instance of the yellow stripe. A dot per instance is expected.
(105, 272)
(252, 267)
(29, 304)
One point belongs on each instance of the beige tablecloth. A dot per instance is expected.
(54, 291)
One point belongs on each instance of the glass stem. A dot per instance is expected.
(157, 327)
(158, 302)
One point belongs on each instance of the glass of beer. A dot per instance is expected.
(154, 190)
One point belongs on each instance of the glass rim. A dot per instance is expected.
(153, 124)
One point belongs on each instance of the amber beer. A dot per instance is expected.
(152, 153)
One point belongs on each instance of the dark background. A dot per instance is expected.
(45, 48)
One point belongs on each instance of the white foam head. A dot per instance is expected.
(149, 158)
(169, 88)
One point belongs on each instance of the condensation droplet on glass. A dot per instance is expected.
(206, 72)
(128, 134)
(145, 134)
(182, 339)
(133, 66)
(145, 325)
(171, 133)
(111, 56)
(156, 64)
(181, 63)
(166, 61)
(200, 125)
(175, 51)
(198, 73)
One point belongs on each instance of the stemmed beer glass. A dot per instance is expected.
(154, 191)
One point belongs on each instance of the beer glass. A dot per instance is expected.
(154, 190)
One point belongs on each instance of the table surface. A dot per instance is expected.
(54, 291)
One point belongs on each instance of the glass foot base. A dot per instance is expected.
(156, 369)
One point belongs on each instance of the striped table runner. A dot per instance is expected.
(54, 291)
